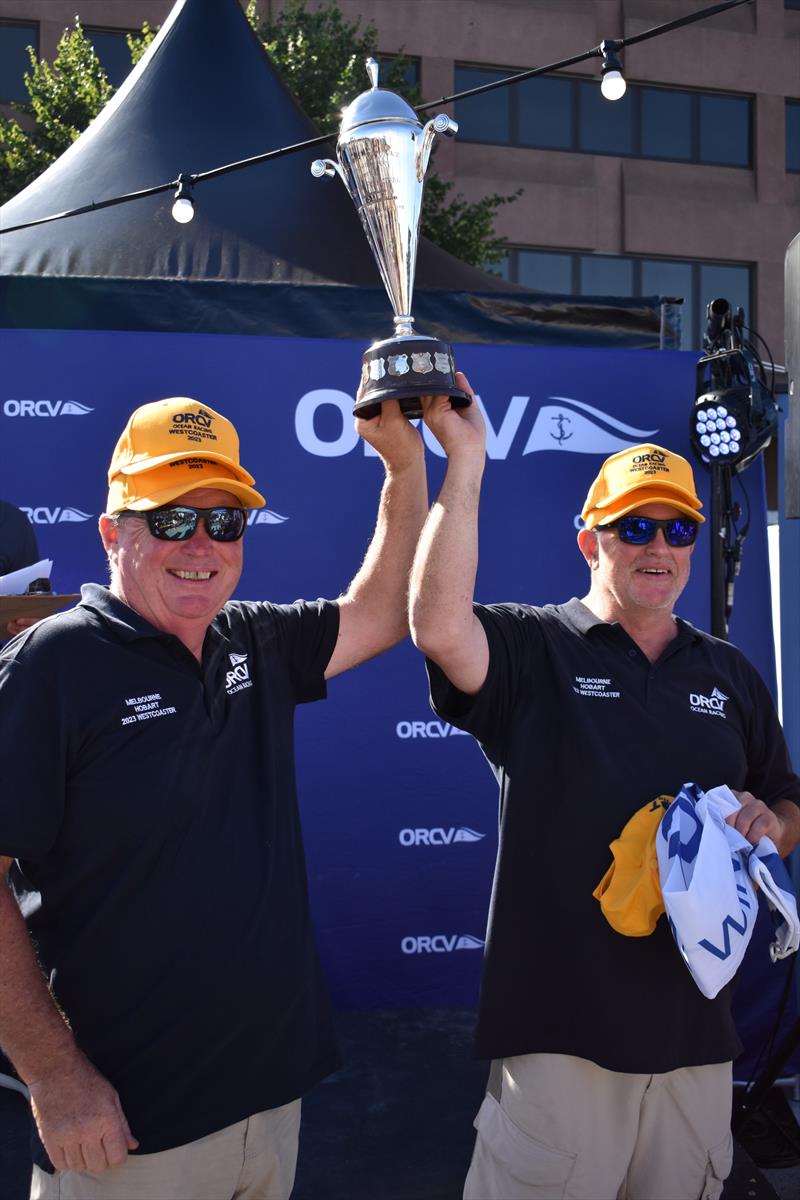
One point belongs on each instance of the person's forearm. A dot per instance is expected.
(381, 583)
(373, 612)
(446, 562)
(33, 1033)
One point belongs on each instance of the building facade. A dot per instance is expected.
(689, 186)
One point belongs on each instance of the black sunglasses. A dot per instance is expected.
(178, 522)
(640, 531)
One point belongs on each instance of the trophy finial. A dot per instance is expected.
(373, 70)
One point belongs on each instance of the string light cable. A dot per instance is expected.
(612, 85)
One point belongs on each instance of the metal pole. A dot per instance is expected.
(719, 518)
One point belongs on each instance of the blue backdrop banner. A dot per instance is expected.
(399, 808)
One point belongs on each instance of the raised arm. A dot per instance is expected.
(374, 609)
(443, 624)
(77, 1111)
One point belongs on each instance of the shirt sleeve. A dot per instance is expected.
(514, 634)
(33, 754)
(304, 635)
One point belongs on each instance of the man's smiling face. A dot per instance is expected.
(642, 577)
(170, 583)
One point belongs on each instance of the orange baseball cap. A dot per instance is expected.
(170, 447)
(645, 474)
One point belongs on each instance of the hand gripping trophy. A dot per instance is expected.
(383, 151)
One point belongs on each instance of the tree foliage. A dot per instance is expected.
(65, 96)
(320, 56)
(138, 42)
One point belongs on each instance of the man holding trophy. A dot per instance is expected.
(174, 1012)
(612, 1071)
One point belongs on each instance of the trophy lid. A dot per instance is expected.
(377, 104)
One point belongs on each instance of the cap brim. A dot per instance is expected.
(658, 496)
(149, 464)
(662, 490)
(248, 496)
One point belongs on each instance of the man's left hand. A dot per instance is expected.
(754, 821)
(392, 436)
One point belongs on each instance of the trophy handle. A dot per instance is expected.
(441, 123)
(326, 166)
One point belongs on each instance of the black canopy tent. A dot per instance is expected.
(270, 250)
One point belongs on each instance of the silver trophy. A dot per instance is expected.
(383, 151)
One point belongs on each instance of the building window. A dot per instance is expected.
(111, 47)
(793, 135)
(567, 272)
(14, 60)
(410, 77)
(566, 113)
(490, 117)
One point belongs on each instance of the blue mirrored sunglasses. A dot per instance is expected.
(640, 531)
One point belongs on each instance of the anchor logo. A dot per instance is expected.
(562, 436)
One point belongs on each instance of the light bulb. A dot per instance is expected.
(613, 85)
(183, 210)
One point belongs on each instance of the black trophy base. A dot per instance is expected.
(405, 369)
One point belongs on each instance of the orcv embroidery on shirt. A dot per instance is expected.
(238, 678)
(712, 706)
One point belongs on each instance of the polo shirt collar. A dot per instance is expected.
(583, 619)
(130, 625)
(124, 620)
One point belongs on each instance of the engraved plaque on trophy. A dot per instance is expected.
(383, 151)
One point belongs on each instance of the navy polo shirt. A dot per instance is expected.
(581, 730)
(150, 802)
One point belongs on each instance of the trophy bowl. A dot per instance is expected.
(382, 156)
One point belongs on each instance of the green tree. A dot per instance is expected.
(138, 42)
(320, 56)
(64, 97)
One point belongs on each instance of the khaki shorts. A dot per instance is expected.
(563, 1128)
(252, 1160)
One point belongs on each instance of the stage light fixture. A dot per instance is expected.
(183, 208)
(612, 81)
(735, 412)
(734, 416)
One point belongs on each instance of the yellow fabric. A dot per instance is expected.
(630, 891)
(170, 447)
(644, 474)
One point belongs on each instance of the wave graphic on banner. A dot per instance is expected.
(560, 427)
(71, 408)
(266, 516)
(467, 942)
(73, 514)
(464, 834)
